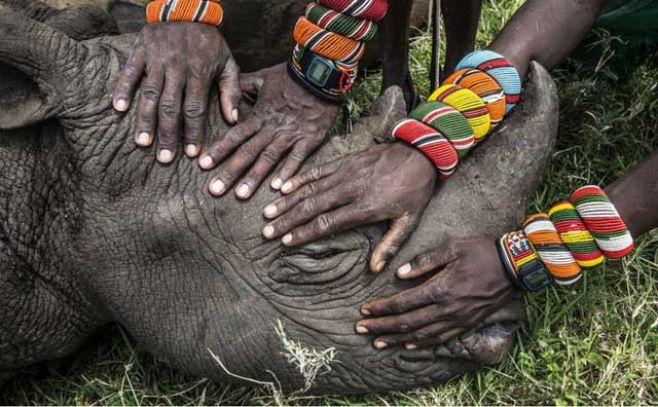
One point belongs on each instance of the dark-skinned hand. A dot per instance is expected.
(286, 122)
(181, 61)
(468, 284)
(388, 182)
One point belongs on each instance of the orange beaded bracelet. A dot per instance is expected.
(193, 11)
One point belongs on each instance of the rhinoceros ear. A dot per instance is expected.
(37, 64)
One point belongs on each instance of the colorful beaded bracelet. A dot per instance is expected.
(372, 10)
(522, 263)
(326, 79)
(342, 24)
(483, 85)
(469, 104)
(576, 234)
(196, 11)
(449, 122)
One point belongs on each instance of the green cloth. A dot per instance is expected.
(631, 19)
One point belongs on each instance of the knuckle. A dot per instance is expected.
(194, 110)
(169, 108)
(324, 223)
(270, 155)
(436, 292)
(151, 92)
(403, 326)
(248, 150)
(307, 206)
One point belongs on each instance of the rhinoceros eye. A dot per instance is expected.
(324, 263)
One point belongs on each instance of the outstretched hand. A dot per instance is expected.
(468, 284)
(287, 122)
(388, 182)
(180, 62)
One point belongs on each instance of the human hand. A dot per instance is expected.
(180, 61)
(388, 182)
(286, 119)
(468, 285)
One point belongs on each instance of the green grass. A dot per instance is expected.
(593, 343)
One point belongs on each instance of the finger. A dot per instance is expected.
(195, 112)
(433, 333)
(325, 225)
(227, 144)
(308, 209)
(169, 115)
(310, 175)
(251, 82)
(390, 243)
(130, 76)
(441, 338)
(229, 91)
(287, 202)
(148, 107)
(259, 171)
(238, 163)
(404, 301)
(296, 158)
(402, 323)
(426, 262)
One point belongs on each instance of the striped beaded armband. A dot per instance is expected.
(522, 262)
(469, 104)
(328, 44)
(326, 79)
(447, 121)
(342, 24)
(486, 87)
(193, 11)
(556, 255)
(373, 10)
(603, 221)
(499, 68)
(430, 142)
(575, 235)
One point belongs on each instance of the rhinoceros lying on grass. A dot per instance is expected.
(93, 230)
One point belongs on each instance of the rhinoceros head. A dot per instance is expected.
(144, 245)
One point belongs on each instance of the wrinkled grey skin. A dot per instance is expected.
(93, 230)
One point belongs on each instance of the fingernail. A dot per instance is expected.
(276, 183)
(380, 344)
(217, 187)
(121, 105)
(268, 231)
(411, 346)
(165, 156)
(404, 270)
(287, 238)
(243, 191)
(379, 266)
(287, 187)
(205, 162)
(270, 211)
(365, 311)
(361, 329)
(236, 115)
(191, 150)
(143, 139)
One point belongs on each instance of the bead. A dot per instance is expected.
(556, 255)
(328, 44)
(373, 10)
(194, 11)
(342, 24)
(431, 142)
(483, 85)
(467, 103)
(575, 235)
(449, 122)
(500, 68)
(603, 221)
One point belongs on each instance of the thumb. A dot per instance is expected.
(229, 91)
(391, 242)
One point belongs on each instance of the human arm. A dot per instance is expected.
(469, 281)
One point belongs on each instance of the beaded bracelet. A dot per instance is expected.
(581, 233)
(195, 11)
(342, 24)
(482, 91)
(522, 263)
(431, 142)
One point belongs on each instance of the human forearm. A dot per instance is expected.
(546, 31)
(636, 196)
